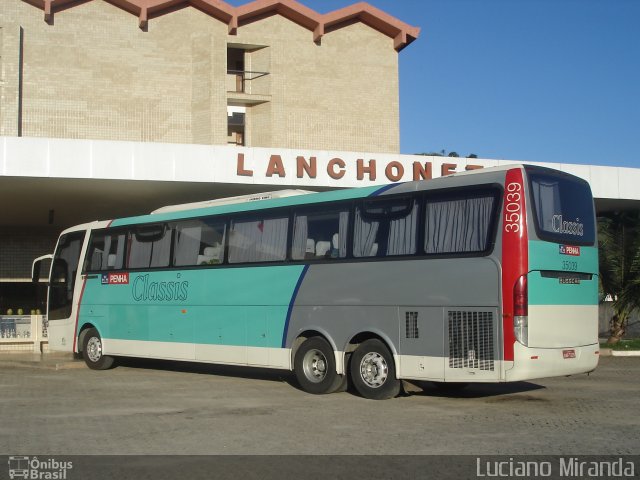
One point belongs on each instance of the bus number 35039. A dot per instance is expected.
(512, 208)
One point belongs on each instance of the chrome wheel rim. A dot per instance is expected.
(314, 365)
(94, 349)
(374, 369)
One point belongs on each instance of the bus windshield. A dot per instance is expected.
(563, 209)
(63, 275)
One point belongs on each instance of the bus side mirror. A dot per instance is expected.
(36, 266)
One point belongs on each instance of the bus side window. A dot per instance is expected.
(106, 251)
(385, 227)
(258, 240)
(320, 235)
(460, 224)
(212, 244)
(150, 246)
(199, 242)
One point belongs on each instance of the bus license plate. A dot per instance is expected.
(569, 353)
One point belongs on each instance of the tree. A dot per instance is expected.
(619, 239)
(443, 153)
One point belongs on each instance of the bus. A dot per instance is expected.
(482, 276)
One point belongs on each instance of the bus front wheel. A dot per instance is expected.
(315, 367)
(373, 371)
(92, 351)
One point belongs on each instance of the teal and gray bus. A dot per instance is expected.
(483, 276)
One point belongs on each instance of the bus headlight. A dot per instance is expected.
(521, 329)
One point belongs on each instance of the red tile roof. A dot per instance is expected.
(235, 17)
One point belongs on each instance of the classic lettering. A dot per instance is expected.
(144, 290)
(560, 225)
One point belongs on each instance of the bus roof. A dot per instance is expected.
(254, 197)
(282, 198)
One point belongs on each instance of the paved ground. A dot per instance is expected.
(148, 407)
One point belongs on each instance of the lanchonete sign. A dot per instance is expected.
(350, 169)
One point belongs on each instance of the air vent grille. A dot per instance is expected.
(471, 340)
(412, 325)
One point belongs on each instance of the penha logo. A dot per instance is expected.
(115, 279)
(569, 250)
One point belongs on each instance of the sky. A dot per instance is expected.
(531, 80)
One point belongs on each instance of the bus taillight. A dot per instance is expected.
(521, 311)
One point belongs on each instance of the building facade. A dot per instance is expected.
(266, 74)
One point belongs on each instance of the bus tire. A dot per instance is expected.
(92, 351)
(315, 367)
(373, 371)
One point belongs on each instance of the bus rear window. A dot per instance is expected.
(563, 209)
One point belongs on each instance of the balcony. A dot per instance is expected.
(247, 88)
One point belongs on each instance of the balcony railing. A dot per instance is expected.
(239, 81)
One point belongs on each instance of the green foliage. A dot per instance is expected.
(633, 344)
(619, 242)
(443, 153)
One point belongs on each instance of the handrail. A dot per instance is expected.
(245, 72)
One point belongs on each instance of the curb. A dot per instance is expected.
(625, 353)
(40, 362)
(42, 365)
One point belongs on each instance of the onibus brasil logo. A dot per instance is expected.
(37, 469)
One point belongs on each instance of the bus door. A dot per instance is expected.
(64, 291)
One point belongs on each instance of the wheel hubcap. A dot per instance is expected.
(94, 349)
(374, 369)
(315, 365)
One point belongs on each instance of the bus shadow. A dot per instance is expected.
(237, 371)
(498, 391)
(473, 390)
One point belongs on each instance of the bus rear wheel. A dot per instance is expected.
(315, 367)
(373, 371)
(92, 351)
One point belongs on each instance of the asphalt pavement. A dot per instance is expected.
(57, 406)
